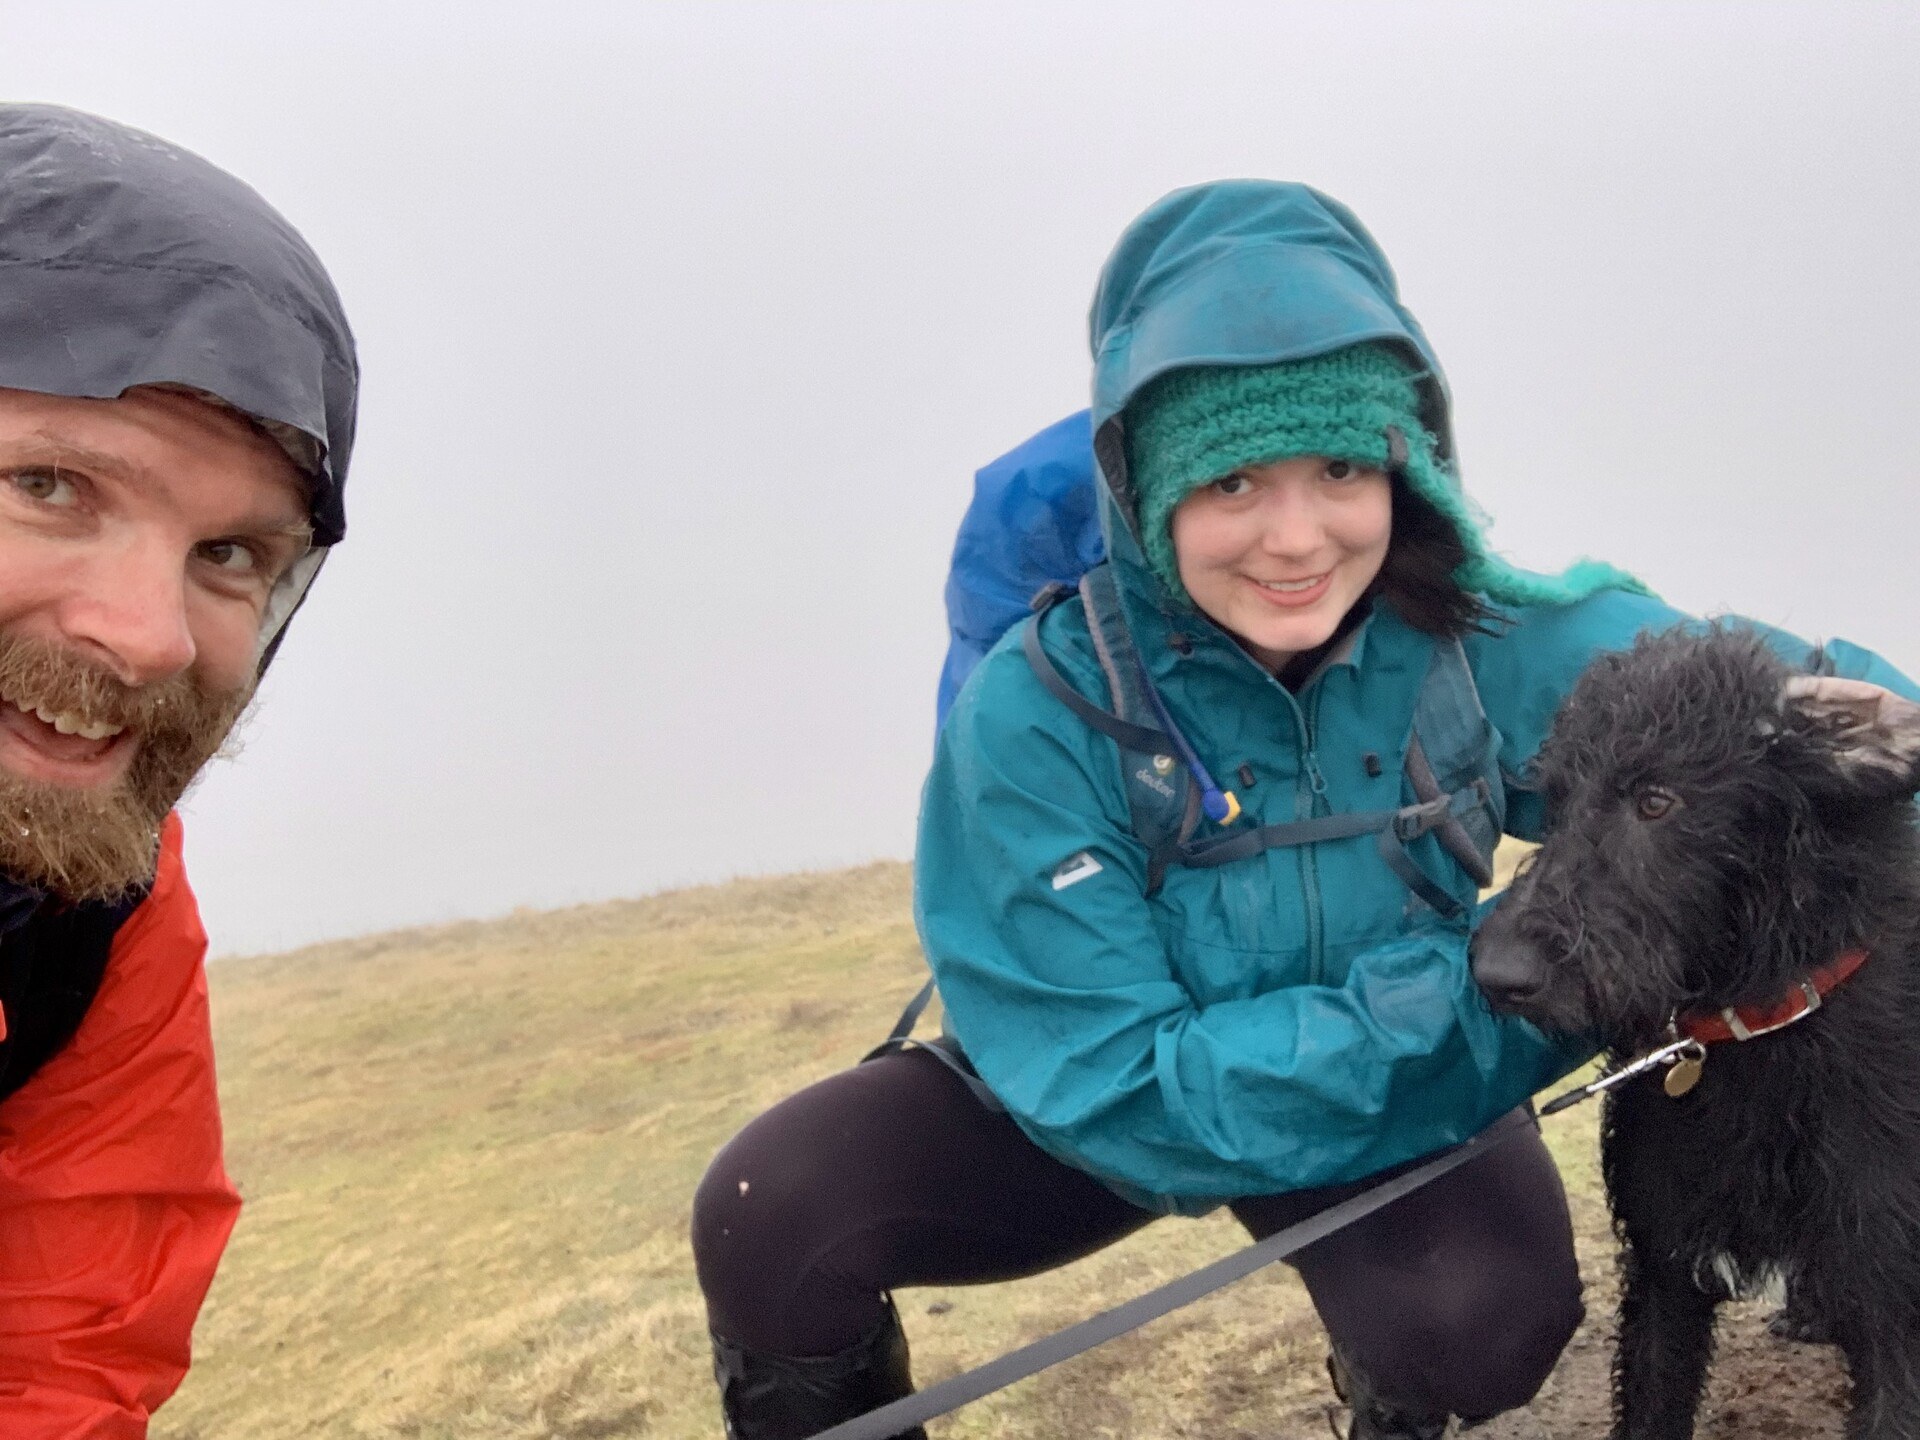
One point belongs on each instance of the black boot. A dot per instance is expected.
(784, 1397)
(1372, 1417)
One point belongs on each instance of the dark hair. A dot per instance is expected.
(1416, 578)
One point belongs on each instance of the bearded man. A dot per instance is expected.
(177, 391)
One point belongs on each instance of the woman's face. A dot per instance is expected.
(1277, 554)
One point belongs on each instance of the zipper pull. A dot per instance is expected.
(1315, 779)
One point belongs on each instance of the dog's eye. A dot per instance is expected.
(1654, 802)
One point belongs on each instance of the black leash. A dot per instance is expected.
(890, 1419)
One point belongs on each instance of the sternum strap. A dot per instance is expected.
(1396, 828)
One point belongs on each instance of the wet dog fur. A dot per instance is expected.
(1720, 827)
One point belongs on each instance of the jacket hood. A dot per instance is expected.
(125, 260)
(1247, 272)
(1259, 272)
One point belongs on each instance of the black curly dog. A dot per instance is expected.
(1724, 832)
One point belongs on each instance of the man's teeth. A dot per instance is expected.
(71, 725)
(1292, 586)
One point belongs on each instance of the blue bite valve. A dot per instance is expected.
(1216, 804)
(1219, 806)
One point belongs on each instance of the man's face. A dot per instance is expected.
(140, 539)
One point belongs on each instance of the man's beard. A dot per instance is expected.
(103, 844)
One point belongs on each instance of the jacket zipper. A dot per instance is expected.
(1317, 805)
(1310, 800)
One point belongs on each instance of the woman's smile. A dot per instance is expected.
(1294, 594)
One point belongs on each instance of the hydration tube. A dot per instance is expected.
(1219, 806)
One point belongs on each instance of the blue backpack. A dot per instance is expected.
(1034, 522)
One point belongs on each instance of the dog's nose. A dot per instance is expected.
(1508, 969)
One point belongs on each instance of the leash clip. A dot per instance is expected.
(1678, 1050)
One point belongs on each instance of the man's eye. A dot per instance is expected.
(47, 486)
(231, 556)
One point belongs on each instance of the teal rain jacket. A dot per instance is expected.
(1298, 1018)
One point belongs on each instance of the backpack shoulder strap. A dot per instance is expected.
(1161, 798)
(1113, 645)
(1454, 748)
(1126, 732)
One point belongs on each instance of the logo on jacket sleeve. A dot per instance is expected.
(1074, 869)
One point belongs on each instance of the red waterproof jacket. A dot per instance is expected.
(114, 1203)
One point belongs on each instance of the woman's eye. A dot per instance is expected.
(1339, 470)
(1232, 484)
(49, 487)
(1654, 802)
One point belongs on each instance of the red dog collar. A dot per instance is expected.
(1743, 1022)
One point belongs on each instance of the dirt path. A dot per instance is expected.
(1760, 1388)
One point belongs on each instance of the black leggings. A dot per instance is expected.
(1457, 1298)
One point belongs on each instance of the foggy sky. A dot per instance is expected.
(685, 325)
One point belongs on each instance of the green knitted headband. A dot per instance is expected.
(1189, 427)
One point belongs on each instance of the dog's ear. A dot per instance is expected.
(1872, 734)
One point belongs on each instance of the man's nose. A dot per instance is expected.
(1509, 969)
(127, 611)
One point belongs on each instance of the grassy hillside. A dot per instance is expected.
(467, 1154)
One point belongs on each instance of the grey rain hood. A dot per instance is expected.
(127, 261)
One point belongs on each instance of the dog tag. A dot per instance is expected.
(1684, 1073)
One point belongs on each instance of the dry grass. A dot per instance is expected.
(468, 1153)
